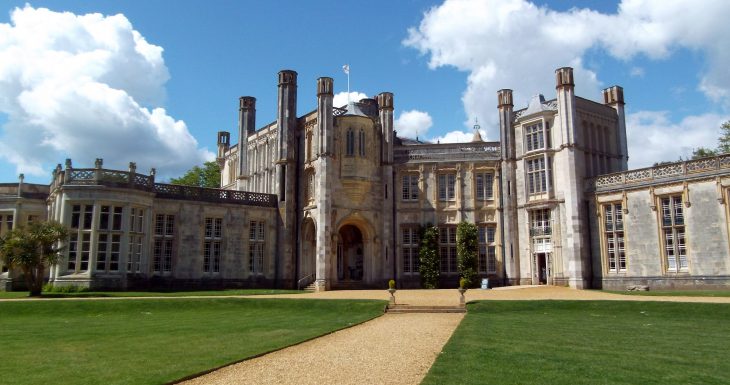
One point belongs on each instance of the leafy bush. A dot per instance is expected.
(466, 252)
(429, 258)
(66, 289)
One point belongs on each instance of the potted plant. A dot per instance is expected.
(463, 283)
(391, 290)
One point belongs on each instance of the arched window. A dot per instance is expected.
(350, 151)
(361, 143)
(309, 147)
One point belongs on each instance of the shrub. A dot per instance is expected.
(429, 258)
(391, 284)
(466, 252)
(463, 284)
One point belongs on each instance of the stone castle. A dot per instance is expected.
(334, 198)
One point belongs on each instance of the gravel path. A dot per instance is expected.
(391, 349)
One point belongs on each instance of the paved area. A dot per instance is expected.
(445, 297)
(391, 349)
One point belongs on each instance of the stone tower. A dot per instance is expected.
(569, 174)
(246, 126)
(323, 181)
(508, 201)
(286, 176)
(614, 98)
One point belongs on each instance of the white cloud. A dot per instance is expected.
(637, 72)
(86, 86)
(340, 98)
(457, 137)
(516, 44)
(413, 123)
(653, 137)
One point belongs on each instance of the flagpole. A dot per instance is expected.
(346, 68)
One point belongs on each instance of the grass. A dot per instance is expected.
(203, 293)
(676, 293)
(587, 342)
(156, 341)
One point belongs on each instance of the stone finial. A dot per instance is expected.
(98, 163)
(477, 135)
(385, 100)
(287, 77)
(613, 95)
(504, 98)
(68, 163)
(564, 77)
(247, 102)
(21, 178)
(153, 171)
(132, 167)
(325, 86)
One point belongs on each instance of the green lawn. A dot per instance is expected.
(587, 342)
(155, 341)
(676, 293)
(202, 293)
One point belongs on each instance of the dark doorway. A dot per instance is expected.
(350, 254)
(542, 268)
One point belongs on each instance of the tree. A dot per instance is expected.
(429, 263)
(31, 249)
(723, 144)
(466, 251)
(207, 176)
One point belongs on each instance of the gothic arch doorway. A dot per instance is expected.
(308, 254)
(350, 254)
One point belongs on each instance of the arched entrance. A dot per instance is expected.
(350, 251)
(308, 254)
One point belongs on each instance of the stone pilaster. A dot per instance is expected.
(325, 257)
(508, 189)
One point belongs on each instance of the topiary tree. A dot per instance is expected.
(31, 249)
(429, 258)
(466, 252)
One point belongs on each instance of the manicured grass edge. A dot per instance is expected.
(207, 371)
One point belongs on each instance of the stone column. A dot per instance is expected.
(385, 116)
(324, 172)
(508, 190)
(246, 126)
(614, 98)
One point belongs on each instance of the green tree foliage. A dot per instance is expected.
(207, 176)
(429, 258)
(466, 252)
(31, 249)
(723, 144)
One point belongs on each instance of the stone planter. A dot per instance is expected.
(462, 300)
(392, 296)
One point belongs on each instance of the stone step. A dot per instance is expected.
(396, 309)
(311, 288)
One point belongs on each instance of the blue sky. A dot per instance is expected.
(154, 83)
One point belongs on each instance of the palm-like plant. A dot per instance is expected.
(31, 249)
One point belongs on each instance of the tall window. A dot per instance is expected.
(487, 262)
(361, 143)
(164, 243)
(6, 224)
(447, 249)
(256, 242)
(484, 188)
(614, 237)
(109, 239)
(535, 137)
(79, 242)
(675, 245)
(410, 187)
(136, 238)
(536, 175)
(540, 222)
(447, 187)
(309, 187)
(212, 245)
(410, 245)
(350, 143)
(308, 150)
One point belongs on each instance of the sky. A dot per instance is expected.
(153, 81)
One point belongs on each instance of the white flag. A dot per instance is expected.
(346, 68)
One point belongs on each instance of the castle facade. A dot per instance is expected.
(334, 198)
